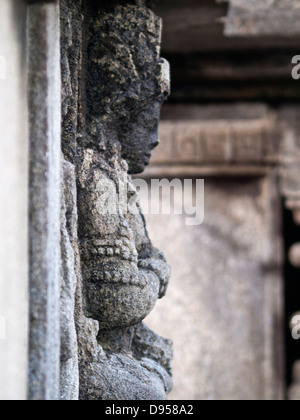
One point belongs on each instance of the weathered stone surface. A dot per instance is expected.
(116, 270)
(71, 57)
(122, 274)
(14, 268)
(69, 370)
(71, 18)
(90, 294)
(119, 376)
(113, 84)
(133, 82)
(110, 109)
(44, 81)
(224, 310)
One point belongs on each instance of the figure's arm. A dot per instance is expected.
(149, 257)
(119, 293)
(114, 260)
(157, 263)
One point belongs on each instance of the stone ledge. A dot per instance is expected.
(166, 171)
(261, 18)
(218, 140)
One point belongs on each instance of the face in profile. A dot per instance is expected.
(127, 80)
(140, 136)
(127, 83)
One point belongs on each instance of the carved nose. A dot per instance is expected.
(155, 144)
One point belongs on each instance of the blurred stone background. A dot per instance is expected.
(232, 120)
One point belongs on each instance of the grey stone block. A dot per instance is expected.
(44, 82)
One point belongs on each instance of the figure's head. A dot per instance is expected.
(128, 81)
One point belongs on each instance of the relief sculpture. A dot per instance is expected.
(123, 275)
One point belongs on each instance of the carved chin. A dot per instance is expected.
(139, 167)
(135, 170)
(121, 306)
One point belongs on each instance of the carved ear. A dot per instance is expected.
(165, 77)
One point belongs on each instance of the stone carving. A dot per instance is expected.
(70, 298)
(123, 275)
(69, 372)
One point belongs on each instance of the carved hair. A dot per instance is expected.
(125, 68)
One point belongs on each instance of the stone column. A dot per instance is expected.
(45, 159)
(14, 202)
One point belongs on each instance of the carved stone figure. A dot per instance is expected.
(123, 275)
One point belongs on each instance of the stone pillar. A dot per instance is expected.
(45, 183)
(14, 202)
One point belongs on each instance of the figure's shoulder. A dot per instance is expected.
(93, 167)
(91, 159)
